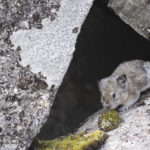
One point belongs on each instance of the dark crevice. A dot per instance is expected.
(104, 42)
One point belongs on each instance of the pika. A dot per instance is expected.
(125, 84)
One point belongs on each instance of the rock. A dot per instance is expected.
(135, 13)
(36, 47)
(91, 124)
(132, 133)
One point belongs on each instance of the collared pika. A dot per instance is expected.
(124, 86)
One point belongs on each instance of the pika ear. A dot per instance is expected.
(122, 81)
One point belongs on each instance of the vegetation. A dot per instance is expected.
(81, 141)
(109, 120)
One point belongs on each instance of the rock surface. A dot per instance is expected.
(135, 13)
(37, 40)
(133, 132)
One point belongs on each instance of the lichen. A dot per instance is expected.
(80, 141)
(109, 120)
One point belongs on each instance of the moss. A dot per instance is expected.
(109, 120)
(81, 141)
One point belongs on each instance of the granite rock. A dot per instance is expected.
(135, 13)
(37, 40)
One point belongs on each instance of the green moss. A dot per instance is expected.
(81, 141)
(109, 120)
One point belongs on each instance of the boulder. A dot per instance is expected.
(135, 13)
(37, 41)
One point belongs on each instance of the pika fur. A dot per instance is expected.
(124, 86)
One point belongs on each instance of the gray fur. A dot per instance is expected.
(125, 84)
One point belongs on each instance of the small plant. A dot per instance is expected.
(81, 141)
(109, 120)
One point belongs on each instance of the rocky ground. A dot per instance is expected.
(28, 29)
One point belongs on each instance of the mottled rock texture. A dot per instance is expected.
(135, 13)
(26, 91)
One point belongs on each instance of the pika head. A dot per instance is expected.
(114, 91)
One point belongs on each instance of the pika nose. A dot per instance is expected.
(107, 107)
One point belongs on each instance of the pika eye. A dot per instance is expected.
(114, 95)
